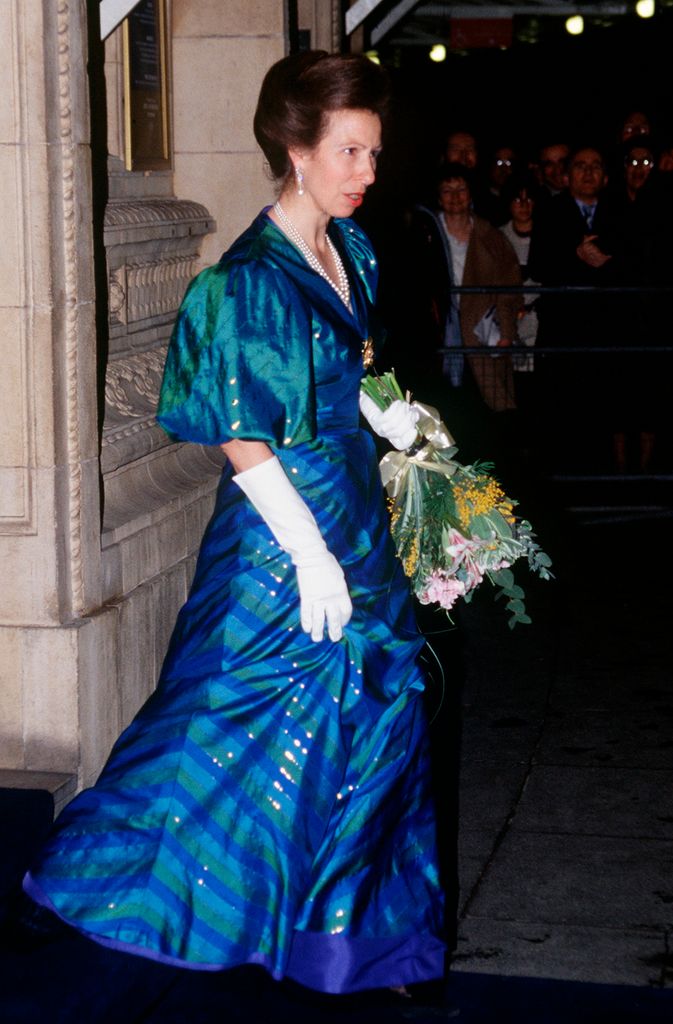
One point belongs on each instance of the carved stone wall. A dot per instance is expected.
(94, 574)
(157, 496)
(152, 247)
(85, 612)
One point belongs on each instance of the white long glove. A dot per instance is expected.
(397, 423)
(323, 593)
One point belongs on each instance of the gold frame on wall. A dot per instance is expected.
(146, 115)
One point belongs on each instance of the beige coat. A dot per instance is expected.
(491, 260)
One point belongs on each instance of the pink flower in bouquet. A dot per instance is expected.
(474, 572)
(441, 589)
(459, 547)
(426, 496)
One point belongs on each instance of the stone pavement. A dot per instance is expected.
(566, 791)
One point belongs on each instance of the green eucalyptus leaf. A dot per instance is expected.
(505, 577)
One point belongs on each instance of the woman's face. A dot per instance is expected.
(521, 207)
(343, 164)
(454, 196)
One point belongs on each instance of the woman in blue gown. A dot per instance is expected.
(270, 804)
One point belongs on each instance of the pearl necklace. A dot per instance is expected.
(341, 287)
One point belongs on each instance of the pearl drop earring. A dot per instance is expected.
(300, 180)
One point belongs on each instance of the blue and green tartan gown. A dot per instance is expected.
(270, 804)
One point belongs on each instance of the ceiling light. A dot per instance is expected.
(438, 53)
(575, 25)
(645, 8)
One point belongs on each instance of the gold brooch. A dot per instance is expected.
(367, 352)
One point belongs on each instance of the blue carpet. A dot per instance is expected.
(487, 999)
(71, 981)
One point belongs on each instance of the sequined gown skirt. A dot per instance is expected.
(270, 803)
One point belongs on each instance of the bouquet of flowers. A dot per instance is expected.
(453, 525)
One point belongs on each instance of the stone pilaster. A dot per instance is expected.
(49, 477)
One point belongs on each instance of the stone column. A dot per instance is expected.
(49, 472)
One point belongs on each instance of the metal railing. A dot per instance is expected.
(606, 462)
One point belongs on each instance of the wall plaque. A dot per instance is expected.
(146, 120)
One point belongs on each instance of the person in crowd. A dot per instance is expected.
(634, 124)
(521, 194)
(553, 169)
(567, 240)
(500, 169)
(636, 386)
(271, 802)
(639, 162)
(461, 148)
(573, 243)
(643, 194)
(452, 246)
(665, 159)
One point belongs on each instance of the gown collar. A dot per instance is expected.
(311, 282)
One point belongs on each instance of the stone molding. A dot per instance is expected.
(132, 389)
(171, 475)
(143, 288)
(131, 394)
(71, 97)
(125, 213)
(152, 246)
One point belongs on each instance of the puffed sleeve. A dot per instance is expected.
(239, 363)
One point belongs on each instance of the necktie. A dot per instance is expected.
(588, 212)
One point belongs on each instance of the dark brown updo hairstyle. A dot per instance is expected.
(299, 92)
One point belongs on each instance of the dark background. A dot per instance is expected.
(547, 85)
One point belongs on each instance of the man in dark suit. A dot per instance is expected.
(572, 244)
(572, 241)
